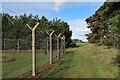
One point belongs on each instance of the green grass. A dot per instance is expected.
(86, 61)
(23, 63)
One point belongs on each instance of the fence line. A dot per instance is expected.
(46, 46)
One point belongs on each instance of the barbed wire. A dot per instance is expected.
(10, 10)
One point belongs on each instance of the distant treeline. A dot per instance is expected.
(14, 27)
(105, 25)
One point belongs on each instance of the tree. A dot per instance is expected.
(14, 27)
(103, 25)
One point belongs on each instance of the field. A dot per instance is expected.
(86, 61)
(22, 63)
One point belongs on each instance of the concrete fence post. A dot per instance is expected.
(47, 45)
(18, 45)
(51, 46)
(58, 46)
(33, 47)
(64, 50)
(4, 45)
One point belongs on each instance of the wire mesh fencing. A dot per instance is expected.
(17, 57)
(42, 50)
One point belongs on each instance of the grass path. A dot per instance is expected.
(86, 61)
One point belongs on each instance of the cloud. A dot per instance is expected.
(79, 25)
(85, 30)
(79, 29)
(58, 4)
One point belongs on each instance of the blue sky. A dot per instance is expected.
(74, 13)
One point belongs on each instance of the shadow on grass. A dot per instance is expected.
(69, 51)
(116, 61)
(77, 46)
(62, 66)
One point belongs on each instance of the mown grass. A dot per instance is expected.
(86, 61)
(22, 64)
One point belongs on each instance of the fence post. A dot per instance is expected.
(51, 53)
(58, 44)
(18, 46)
(47, 44)
(33, 47)
(33, 52)
(64, 45)
(4, 45)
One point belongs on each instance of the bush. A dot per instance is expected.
(117, 59)
(72, 45)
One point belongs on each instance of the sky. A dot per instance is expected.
(74, 13)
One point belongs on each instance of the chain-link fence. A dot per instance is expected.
(17, 57)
